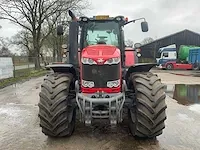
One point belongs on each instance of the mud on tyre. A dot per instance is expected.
(147, 113)
(56, 109)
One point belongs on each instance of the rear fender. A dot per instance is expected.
(142, 67)
(63, 68)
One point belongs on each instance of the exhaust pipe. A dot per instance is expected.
(71, 14)
(73, 40)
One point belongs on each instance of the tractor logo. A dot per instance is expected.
(100, 60)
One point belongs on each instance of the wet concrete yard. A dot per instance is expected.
(184, 94)
(19, 123)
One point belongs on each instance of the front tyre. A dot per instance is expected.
(147, 112)
(56, 109)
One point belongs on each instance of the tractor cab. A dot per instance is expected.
(102, 54)
(98, 30)
(101, 30)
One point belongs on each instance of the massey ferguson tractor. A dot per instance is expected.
(97, 84)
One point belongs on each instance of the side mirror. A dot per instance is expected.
(60, 30)
(137, 45)
(144, 26)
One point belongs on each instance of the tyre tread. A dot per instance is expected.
(148, 115)
(55, 105)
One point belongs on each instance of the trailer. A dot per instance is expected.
(194, 58)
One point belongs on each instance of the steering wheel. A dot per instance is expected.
(101, 42)
(102, 39)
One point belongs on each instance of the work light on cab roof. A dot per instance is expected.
(104, 17)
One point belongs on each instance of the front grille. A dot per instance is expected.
(100, 74)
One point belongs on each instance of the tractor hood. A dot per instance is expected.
(101, 51)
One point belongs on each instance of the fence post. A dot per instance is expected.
(28, 64)
(13, 59)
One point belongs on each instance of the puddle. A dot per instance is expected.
(184, 94)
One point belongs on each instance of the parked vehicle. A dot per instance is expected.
(98, 83)
(194, 58)
(176, 65)
(188, 58)
(166, 54)
(183, 52)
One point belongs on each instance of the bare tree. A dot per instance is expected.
(129, 43)
(147, 40)
(4, 51)
(4, 42)
(33, 15)
(53, 44)
(23, 39)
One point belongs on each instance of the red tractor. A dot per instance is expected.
(98, 85)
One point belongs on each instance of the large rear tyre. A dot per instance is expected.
(147, 112)
(57, 111)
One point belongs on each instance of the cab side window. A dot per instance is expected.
(165, 55)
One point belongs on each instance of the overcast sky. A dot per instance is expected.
(164, 16)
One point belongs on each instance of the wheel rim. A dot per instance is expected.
(169, 66)
(195, 67)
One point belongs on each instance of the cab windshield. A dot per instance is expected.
(102, 32)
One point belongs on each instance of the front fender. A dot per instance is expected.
(141, 67)
(63, 68)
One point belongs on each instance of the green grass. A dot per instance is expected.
(24, 72)
(21, 75)
(22, 63)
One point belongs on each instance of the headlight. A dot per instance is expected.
(88, 61)
(89, 84)
(112, 84)
(139, 54)
(112, 61)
